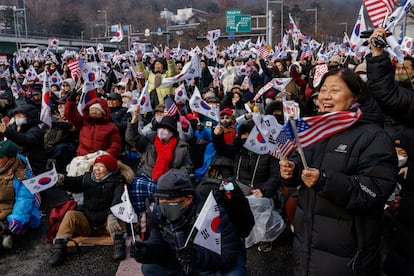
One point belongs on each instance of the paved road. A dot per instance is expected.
(29, 255)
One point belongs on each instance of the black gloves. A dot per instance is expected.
(187, 256)
(72, 95)
(146, 253)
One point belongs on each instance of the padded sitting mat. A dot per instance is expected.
(91, 241)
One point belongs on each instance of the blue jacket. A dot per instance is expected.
(25, 208)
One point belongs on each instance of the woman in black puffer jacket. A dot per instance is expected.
(342, 193)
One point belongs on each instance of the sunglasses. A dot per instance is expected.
(225, 117)
(67, 85)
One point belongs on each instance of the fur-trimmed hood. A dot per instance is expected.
(126, 172)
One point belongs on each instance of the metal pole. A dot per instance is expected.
(267, 20)
(281, 21)
(315, 10)
(105, 22)
(269, 29)
(25, 20)
(129, 37)
(316, 22)
(106, 25)
(269, 41)
(15, 29)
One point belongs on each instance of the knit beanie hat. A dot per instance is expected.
(8, 149)
(110, 162)
(97, 106)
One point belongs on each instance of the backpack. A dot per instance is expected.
(234, 202)
(56, 216)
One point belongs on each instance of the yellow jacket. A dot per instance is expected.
(162, 90)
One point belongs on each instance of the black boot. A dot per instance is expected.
(119, 247)
(59, 251)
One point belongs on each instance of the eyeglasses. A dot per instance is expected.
(225, 117)
(67, 85)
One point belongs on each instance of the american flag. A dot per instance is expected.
(378, 9)
(170, 107)
(75, 68)
(264, 53)
(284, 146)
(320, 70)
(313, 129)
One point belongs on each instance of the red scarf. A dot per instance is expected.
(165, 154)
(228, 137)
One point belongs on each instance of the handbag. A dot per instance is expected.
(246, 189)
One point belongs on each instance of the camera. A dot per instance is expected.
(378, 42)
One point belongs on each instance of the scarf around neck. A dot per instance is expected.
(165, 154)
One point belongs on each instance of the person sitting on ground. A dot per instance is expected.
(102, 188)
(166, 251)
(19, 209)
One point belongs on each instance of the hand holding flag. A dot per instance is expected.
(42, 182)
(208, 226)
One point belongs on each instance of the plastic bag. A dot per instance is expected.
(268, 223)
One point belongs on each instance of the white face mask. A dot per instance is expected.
(158, 118)
(402, 161)
(20, 121)
(363, 77)
(61, 111)
(164, 134)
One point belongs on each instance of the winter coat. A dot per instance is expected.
(16, 201)
(145, 145)
(94, 134)
(167, 237)
(100, 196)
(397, 102)
(120, 117)
(162, 90)
(29, 138)
(393, 100)
(205, 79)
(338, 221)
(260, 171)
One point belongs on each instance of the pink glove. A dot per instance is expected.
(184, 122)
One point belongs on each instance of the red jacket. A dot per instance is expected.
(94, 134)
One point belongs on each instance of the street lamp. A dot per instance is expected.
(346, 26)
(25, 17)
(268, 28)
(315, 10)
(106, 21)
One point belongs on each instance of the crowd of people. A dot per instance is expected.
(333, 203)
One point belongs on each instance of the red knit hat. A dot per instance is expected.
(226, 111)
(110, 163)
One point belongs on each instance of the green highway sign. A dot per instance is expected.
(243, 23)
(237, 22)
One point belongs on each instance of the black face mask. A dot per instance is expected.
(280, 119)
(172, 210)
(226, 124)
